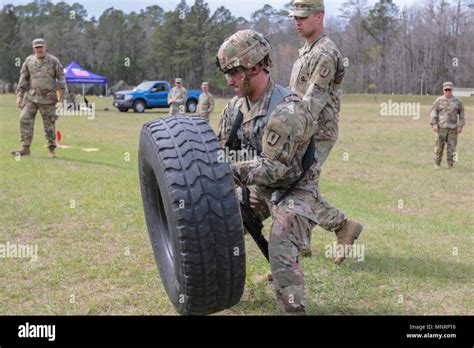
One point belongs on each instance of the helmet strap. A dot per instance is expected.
(246, 83)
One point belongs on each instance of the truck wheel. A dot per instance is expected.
(123, 109)
(192, 215)
(191, 106)
(139, 106)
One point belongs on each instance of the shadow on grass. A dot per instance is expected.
(160, 112)
(264, 303)
(66, 159)
(343, 309)
(420, 267)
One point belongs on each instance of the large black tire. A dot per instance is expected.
(192, 215)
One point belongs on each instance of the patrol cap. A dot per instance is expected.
(38, 43)
(448, 85)
(178, 80)
(304, 8)
(205, 84)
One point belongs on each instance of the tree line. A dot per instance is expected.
(387, 49)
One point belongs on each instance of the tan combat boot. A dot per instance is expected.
(346, 236)
(437, 166)
(51, 152)
(298, 311)
(25, 151)
(451, 166)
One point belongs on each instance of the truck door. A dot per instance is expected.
(158, 96)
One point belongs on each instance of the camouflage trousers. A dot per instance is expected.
(176, 109)
(293, 219)
(446, 136)
(328, 216)
(27, 122)
(324, 147)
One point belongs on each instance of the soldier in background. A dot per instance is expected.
(317, 73)
(316, 78)
(206, 102)
(38, 77)
(447, 120)
(177, 98)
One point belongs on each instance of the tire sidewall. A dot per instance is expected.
(172, 280)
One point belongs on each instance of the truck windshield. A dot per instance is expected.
(145, 86)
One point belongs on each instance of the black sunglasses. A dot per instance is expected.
(233, 71)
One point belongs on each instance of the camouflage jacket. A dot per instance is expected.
(281, 138)
(205, 104)
(316, 77)
(38, 77)
(179, 95)
(448, 113)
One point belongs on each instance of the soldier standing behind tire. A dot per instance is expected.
(316, 78)
(318, 73)
(177, 98)
(38, 76)
(284, 180)
(447, 120)
(206, 102)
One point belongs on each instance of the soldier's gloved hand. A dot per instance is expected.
(459, 130)
(19, 103)
(435, 128)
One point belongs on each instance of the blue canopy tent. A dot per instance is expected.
(77, 74)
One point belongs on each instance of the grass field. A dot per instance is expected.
(83, 211)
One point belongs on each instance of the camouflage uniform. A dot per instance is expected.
(38, 77)
(316, 77)
(281, 139)
(448, 115)
(205, 104)
(180, 96)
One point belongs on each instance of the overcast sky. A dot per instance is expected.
(238, 8)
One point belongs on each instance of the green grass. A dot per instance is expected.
(96, 258)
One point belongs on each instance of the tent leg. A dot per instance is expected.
(106, 89)
(83, 90)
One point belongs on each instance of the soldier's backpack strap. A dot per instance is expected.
(231, 142)
(278, 95)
